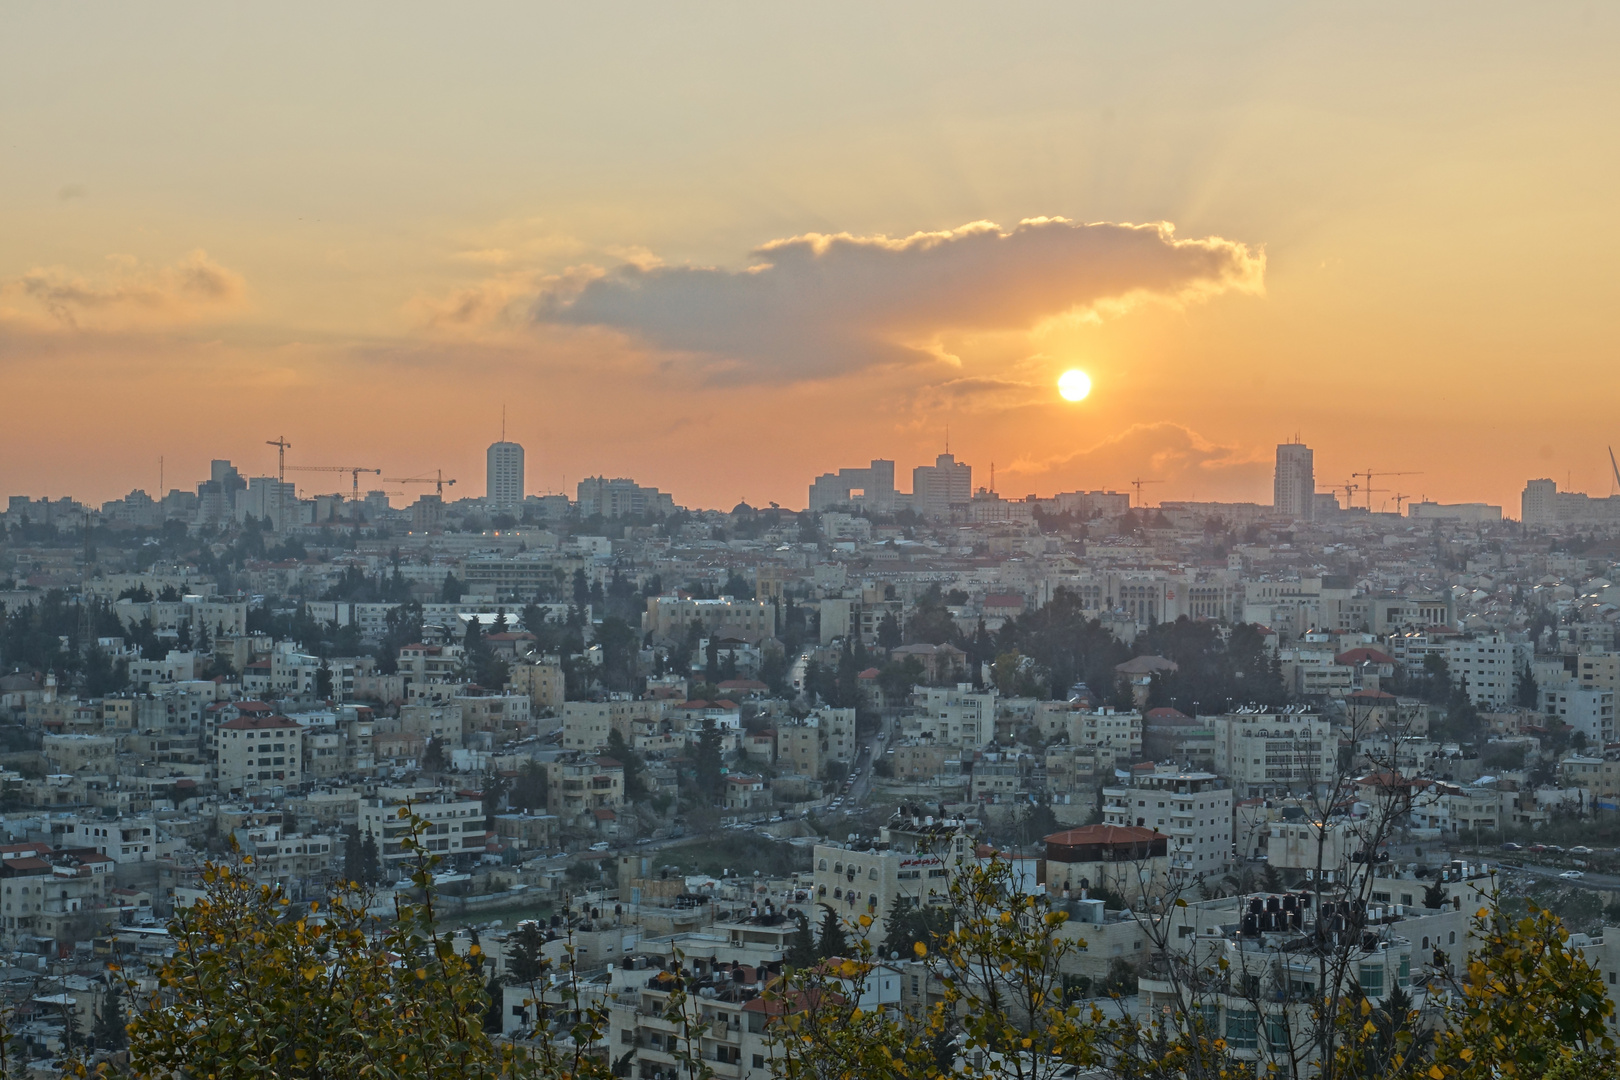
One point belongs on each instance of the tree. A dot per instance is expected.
(328, 997)
(1526, 694)
(833, 942)
(888, 632)
(802, 950)
(710, 768)
(529, 789)
(353, 858)
(450, 590)
(525, 953)
(371, 868)
(433, 759)
(109, 1027)
(635, 781)
(494, 789)
(323, 681)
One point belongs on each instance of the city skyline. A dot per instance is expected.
(1390, 264)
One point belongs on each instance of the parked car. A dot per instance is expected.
(1511, 846)
(1580, 849)
(1555, 849)
(600, 845)
(1572, 875)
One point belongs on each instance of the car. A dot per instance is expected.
(1511, 846)
(600, 845)
(1538, 848)
(1572, 875)
(1555, 849)
(1580, 849)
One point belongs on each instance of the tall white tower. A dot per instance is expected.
(1294, 486)
(503, 476)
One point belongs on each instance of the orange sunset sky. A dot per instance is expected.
(723, 248)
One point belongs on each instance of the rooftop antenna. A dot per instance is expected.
(992, 476)
(947, 438)
(503, 421)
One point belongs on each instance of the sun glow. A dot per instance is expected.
(1074, 384)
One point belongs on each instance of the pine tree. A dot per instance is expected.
(833, 941)
(495, 1015)
(801, 952)
(371, 869)
(353, 858)
(709, 763)
(109, 1029)
(525, 960)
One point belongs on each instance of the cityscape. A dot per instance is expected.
(920, 542)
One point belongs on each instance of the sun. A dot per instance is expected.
(1074, 384)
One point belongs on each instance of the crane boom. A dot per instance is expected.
(354, 472)
(437, 478)
(1613, 465)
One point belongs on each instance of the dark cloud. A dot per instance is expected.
(821, 305)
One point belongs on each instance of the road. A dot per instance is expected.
(1591, 879)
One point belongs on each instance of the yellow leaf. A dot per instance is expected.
(1437, 1073)
(920, 949)
(866, 920)
(1366, 1007)
(1467, 1053)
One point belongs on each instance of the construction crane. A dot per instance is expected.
(1137, 484)
(354, 472)
(282, 446)
(1369, 475)
(1349, 488)
(1399, 498)
(436, 479)
(1614, 465)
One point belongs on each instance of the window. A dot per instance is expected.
(1242, 1029)
(1372, 979)
(1277, 1033)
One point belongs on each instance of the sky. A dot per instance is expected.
(723, 248)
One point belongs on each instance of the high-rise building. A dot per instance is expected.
(874, 483)
(936, 488)
(1294, 486)
(503, 484)
(1539, 503)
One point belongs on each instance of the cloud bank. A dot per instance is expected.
(130, 294)
(1192, 466)
(821, 305)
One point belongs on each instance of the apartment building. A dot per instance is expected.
(455, 823)
(667, 618)
(1193, 808)
(1275, 753)
(253, 752)
(1488, 666)
(958, 716)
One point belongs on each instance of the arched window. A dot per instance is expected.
(838, 868)
(1425, 942)
(871, 874)
(1453, 940)
(822, 865)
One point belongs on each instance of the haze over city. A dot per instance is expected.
(1033, 541)
(369, 233)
